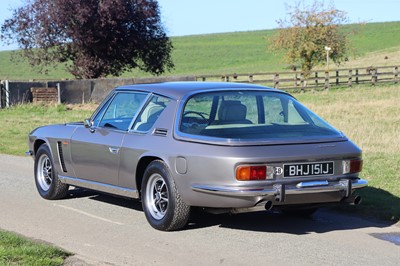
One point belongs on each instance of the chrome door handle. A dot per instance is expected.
(113, 150)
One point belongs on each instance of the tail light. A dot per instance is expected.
(352, 166)
(254, 172)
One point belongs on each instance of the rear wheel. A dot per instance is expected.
(47, 182)
(162, 204)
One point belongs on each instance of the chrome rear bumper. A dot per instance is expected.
(278, 192)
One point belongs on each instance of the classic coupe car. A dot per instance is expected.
(224, 147)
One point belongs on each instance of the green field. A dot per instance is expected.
(19, 120)
(239, 52)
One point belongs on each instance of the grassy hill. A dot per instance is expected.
(239, 52)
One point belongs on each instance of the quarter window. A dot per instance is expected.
(274, 112)
(150, 113)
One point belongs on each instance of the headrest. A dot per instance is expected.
(232, 111)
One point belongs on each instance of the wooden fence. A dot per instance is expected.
(291, 80)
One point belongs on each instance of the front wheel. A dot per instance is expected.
(162, 204)
(46, 178)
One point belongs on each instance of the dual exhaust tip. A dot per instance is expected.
(268, 205)
(353, 200)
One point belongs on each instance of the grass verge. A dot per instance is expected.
(16, 250)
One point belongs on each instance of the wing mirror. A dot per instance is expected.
(89, 124)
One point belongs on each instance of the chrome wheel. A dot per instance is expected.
(44, 172)
(46, 177)
(157, 196)
(161, 202)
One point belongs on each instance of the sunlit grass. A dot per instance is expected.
(384, 57)
(238, 52)
(18, 121)
(369, 116)
(16, 250)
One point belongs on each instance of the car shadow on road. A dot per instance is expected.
(324, 220)
(106, 198)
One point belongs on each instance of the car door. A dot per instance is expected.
(95, 151)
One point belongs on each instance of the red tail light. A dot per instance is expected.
(244, 173)
(355, 166)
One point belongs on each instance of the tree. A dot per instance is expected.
(92, 38)
(306, 32)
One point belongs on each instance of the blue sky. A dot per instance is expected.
(190, 17)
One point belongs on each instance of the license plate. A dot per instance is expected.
(308, 169)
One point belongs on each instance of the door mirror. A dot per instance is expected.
(88, 124)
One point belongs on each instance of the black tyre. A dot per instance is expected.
(162, 204)
(46, 177)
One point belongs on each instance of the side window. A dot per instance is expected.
(122, 110)
(150, 113)
(293, 115)
(100, 114)
(273, 110)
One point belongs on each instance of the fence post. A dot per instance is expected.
(337, 77)
(58, 93)
(302, 81)
(251, 78)
(7, 88)
(276, 81)
(396, 74)
(374, 76)
(350, 83)
(316, 79)
(295, 79)
(356, 75)
(327, 80)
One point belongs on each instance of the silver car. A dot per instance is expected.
(224, 147)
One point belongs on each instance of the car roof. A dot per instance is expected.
(177, 90)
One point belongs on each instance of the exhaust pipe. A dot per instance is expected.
(357, 200)
(260, 206)
(353, 200)
(268, 205)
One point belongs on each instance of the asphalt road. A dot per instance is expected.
(103, 230)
